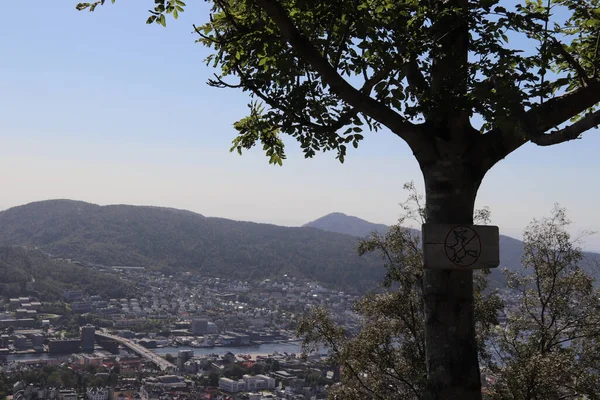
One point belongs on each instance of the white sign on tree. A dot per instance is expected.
(460, 246)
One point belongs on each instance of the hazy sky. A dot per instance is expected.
(103, 108)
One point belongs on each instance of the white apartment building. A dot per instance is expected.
(98, 394)
(231, 386)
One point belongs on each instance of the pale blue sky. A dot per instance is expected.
(103, 108)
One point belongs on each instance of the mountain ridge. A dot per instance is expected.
(172, 239)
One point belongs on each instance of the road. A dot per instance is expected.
(160, 362)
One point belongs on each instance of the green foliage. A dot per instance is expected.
(155, 326)
(248, 45)
(549, 346)
(236, 372)
(257, 368)
(161, 8)
(62, 377)
(323, 69)
(30, 272)
(213, 379)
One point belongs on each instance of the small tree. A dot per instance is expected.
(549, 347)
(213, 379)
(170, 358)
(387, 358)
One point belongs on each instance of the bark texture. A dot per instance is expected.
(452, 362)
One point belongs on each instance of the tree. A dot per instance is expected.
(213, 379)
(275, 365)
(440, 75)
(236, 371)
(257, 368)
(549, 346)
(387, 358)
(170, 358)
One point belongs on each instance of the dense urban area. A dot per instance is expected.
(218, 338)
(181, 336)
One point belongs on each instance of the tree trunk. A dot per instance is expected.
(452, 362)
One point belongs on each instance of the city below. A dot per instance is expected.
(176, 336)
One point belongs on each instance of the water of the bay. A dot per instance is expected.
(262, 349)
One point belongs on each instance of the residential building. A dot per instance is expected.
(67, 346)
(81, 306)
(67, 395)
(182, 357)
(267, 381)
(20, 342)
(88, 338)
(98, 393)
(37, 339)
(71, 295)
(232, 386)
(200, 326)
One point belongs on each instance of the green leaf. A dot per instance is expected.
(380, 86)
(162, 20)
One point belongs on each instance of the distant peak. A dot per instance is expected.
(347, 224)
(336, 214)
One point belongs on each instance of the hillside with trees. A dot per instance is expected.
(167, 239)
(175, 240)
(27, 272)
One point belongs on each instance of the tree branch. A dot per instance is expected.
(562, 108)
(415, 78)
(532, 125)
(246, 82)
(363, 103)
(581, 74)
(571, 132)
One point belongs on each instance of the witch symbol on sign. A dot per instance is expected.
(462, 246)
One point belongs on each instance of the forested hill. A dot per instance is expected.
(181, 240)
(30, 272)
(511, 250)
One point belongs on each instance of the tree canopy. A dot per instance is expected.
(548, 347)
(319, 70)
